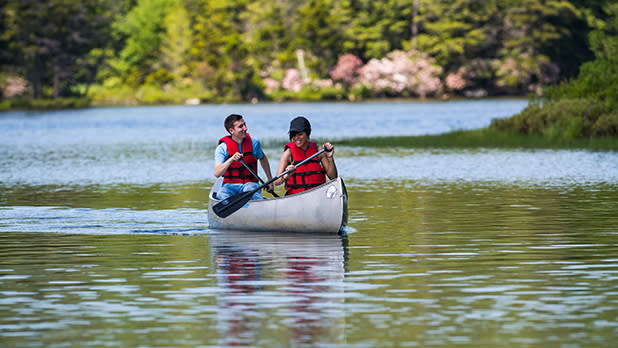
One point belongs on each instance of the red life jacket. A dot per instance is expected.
(237, 173)
(307, 176)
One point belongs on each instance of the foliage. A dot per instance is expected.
(484, 138)
(44, 104)
(598, 79)
(45, 41)
(568, 118)
(142, 30)
(584, 107)
(242, 50)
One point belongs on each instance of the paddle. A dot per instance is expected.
(257, 177)
(229, 205)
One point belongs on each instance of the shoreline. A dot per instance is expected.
(484, 138)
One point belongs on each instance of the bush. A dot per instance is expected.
(567, 119)
(44, 104)
(606, 125)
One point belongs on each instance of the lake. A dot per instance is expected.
(104, 238)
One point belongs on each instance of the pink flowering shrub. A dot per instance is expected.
(412, 72)
(347, 69)
(14, 86)
(292, 80)
(456, 81)
(271, 85)
(318, 84)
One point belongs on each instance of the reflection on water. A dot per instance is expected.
(291, 279)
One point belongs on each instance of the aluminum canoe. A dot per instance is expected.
(322, 209)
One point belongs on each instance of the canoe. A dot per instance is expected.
(321, 209)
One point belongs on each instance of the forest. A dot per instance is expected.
(210, 51)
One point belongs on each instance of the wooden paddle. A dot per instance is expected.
(257, 177)
(229, 205)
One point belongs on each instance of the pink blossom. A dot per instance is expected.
(401, 71)
(271, 85)
(346, 69)
(322, 83)
(14, 86)
(292, 80)
(456, 81)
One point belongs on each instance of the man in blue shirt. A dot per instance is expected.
(228, 154)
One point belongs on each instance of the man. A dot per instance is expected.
(237, 146)
(300, 147)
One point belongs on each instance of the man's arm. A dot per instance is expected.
(222, 161)
(266, 166)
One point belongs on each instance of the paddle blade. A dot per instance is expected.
(229, 205)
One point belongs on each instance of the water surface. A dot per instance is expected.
(104, 239)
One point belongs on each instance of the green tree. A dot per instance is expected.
(374, 28)
(316, 32)
(176, 41)
(597, 79)
(47, 40)
(141, 30)
(221, 49)
(454, 31)
(269, 32)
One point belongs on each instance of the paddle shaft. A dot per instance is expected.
(257, 177)
(287, 171)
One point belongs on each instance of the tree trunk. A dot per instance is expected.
(56, 92)
(35, 78)
(415, 22)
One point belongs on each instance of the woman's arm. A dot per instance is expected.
(284, 163)
(328, 161)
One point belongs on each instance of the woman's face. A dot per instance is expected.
(301, 140)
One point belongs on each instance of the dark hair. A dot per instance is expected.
(229, 121)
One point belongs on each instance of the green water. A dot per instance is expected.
(105, 241)
(460, 264)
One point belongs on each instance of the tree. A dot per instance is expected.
(316, 33)
(48, 40)
(141, 30)
(177, 40)
(597, 79)
(221, 45)
(374, 28)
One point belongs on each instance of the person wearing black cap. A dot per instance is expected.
(300, 147)
(233, 148)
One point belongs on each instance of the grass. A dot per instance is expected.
(565, 124)
(485, 138)
(44, 104)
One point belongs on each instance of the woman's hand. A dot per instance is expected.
(330, 149)
(290, 169)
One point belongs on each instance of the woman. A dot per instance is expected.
(314, 172)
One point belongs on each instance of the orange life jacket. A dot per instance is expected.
(237, 173)
(307, 176)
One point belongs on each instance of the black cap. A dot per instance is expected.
(300, 124)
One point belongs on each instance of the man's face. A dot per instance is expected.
(239, 130)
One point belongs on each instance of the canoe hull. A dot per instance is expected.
(322, 209)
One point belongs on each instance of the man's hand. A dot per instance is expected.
(237, 156)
